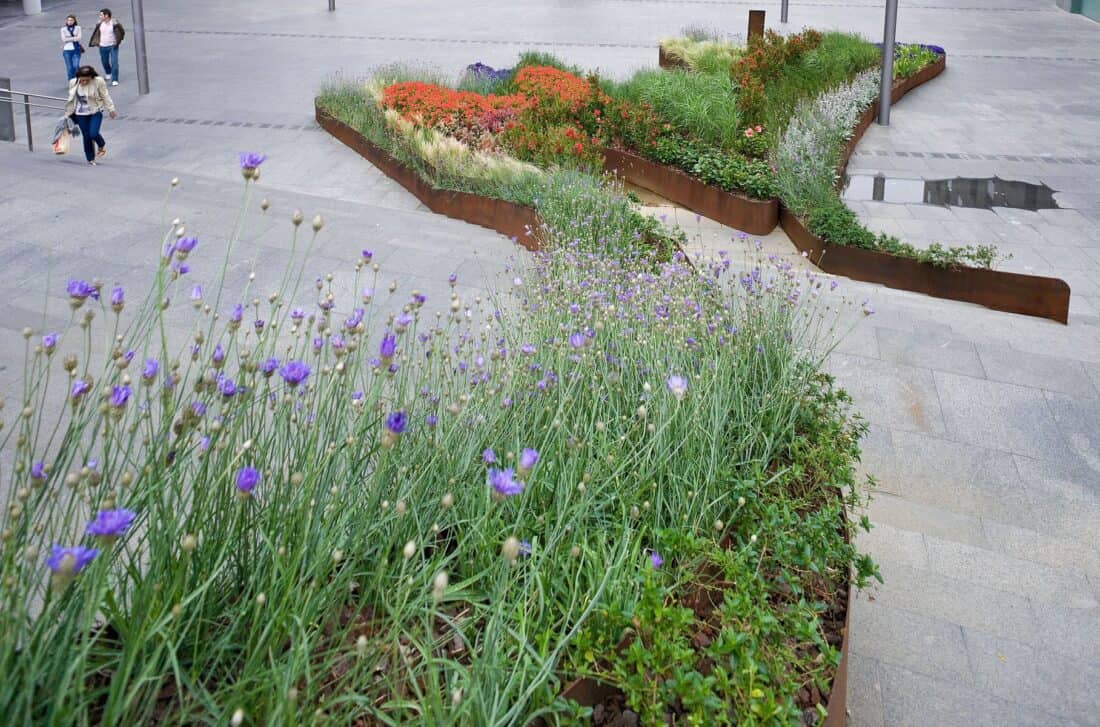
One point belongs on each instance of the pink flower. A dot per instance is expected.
(749, 133)
(759, 129)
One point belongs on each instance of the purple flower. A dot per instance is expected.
(401, 322)
(236, 314)
(196, 294)
(488, 456)
(80, 290)
(419, 298)
(578, 340)
(79, 388)
(109, 524)
(258, 324)
(150, 369)
(452, 279)
(388, 346)
(294, 372)
(527, 459)
(67, 562)
(226, 387)
(354, 319)
(297, 314)
(198, 408)
(656, 560)
(250, 160)
(678, 385)
(525, 548)
(397, 422)
(527, 349)
(504, 482)
(431, 420)
(268, 367)
(119, 396)
(186, 244)
(118, 297)
(247, 479)
(367, 254)
(38, 470)
(219, 354)
(49, 341)
(318, 344)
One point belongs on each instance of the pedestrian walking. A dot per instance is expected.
(70, 46)
(108, 35)
(88, 97)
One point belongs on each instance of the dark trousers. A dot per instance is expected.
(89, 132)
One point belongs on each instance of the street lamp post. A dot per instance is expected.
(887, 84)
(139, 46)
(783, 11)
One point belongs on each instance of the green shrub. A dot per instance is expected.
(910, 58)
(698, 105)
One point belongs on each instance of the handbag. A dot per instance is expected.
(61, 146)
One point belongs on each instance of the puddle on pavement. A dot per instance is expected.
(958, 192)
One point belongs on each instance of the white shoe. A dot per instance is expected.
(114, 83)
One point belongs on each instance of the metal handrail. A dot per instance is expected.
(9, 94)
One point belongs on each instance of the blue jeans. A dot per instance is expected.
(89, 131)
(108, 56)
(72, 62)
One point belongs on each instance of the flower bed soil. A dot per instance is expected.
(1031, 295)
(508, 218)
(754, 216)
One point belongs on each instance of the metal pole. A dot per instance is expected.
(32, 7)
(331, 5)
(783, 11)
(139, 46)
(887, 84)
(27, 109)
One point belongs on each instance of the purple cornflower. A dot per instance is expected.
(318, 344)
(294, 372)
(488, 456)
(119, 396)
(397, 422)
(268, 367)
(504, 482)
(297, 314)
(79, 388)
(49, 341)
(150, 369)
(655, 559)
(67, 562)
(118, 298)
(388, 346)
(431, 420)
(109, 524)
(401, 322)
(226, 387)
(38, 470)
(236, 314)
(196, 294)
(250, 160)
(527, 349)
(198, 408)
(247, 479)
(81, 290)
(259, 324)
(678, 385)
(528, 458)
(354, 319)
(578, 340)
(218, 357)
(184, 245)
(452, 279)
(367, 254)
(419, 299)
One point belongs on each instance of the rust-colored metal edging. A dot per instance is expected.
(754, 216)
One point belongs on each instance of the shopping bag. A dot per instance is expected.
(61, 146)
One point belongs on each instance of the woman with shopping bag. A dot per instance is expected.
(88, 97)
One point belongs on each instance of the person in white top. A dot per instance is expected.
(70, 46)
(88, 99)
(108, 35)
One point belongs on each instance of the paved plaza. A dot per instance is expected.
(984, 427)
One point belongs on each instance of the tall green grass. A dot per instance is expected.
(698, 105)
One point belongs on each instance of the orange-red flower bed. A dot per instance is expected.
(431, 105)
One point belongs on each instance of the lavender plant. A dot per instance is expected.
(328, 511)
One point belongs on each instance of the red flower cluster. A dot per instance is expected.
(545, 83)
(431, 105)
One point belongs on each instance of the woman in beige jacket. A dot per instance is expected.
(88, 97)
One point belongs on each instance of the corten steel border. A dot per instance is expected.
(508, 218)
(1031, 295)
(754, 216)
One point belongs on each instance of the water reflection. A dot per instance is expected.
(957, 192)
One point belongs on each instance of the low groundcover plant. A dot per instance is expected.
(317, 510)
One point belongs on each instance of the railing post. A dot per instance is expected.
(7, 111)
(331, 5)
(27, 109)
(783, 11)
(138, 10)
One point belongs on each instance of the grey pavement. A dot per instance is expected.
(983, 426)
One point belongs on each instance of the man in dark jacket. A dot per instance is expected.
(108, 35)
